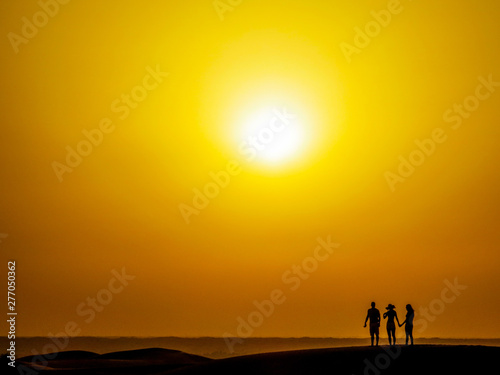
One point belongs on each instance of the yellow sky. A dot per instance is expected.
(117, 115)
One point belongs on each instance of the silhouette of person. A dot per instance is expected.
(390, 314)
(410, 314)
(374, 316)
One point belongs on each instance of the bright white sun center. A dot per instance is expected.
(271, 136)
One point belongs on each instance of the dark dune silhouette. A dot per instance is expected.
(155, 354)
(141, 361)
(418, 359)
(72, 355)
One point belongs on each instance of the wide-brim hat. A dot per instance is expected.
(391, 306)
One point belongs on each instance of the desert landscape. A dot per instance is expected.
(420, 359)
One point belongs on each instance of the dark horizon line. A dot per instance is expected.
(253, 337)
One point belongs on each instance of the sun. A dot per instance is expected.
(271, 136)
(272, 101)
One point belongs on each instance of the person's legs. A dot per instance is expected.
(389, 334)
(372, 333)
(394, 336)
(410, 331)
(376, 334)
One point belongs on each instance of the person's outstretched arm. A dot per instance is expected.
(396, 315)
(402, 324)
(367, 316)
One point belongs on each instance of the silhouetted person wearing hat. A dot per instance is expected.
(374, 316)
(410, 314)
(390, 314)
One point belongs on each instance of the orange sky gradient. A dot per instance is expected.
(170, 84)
